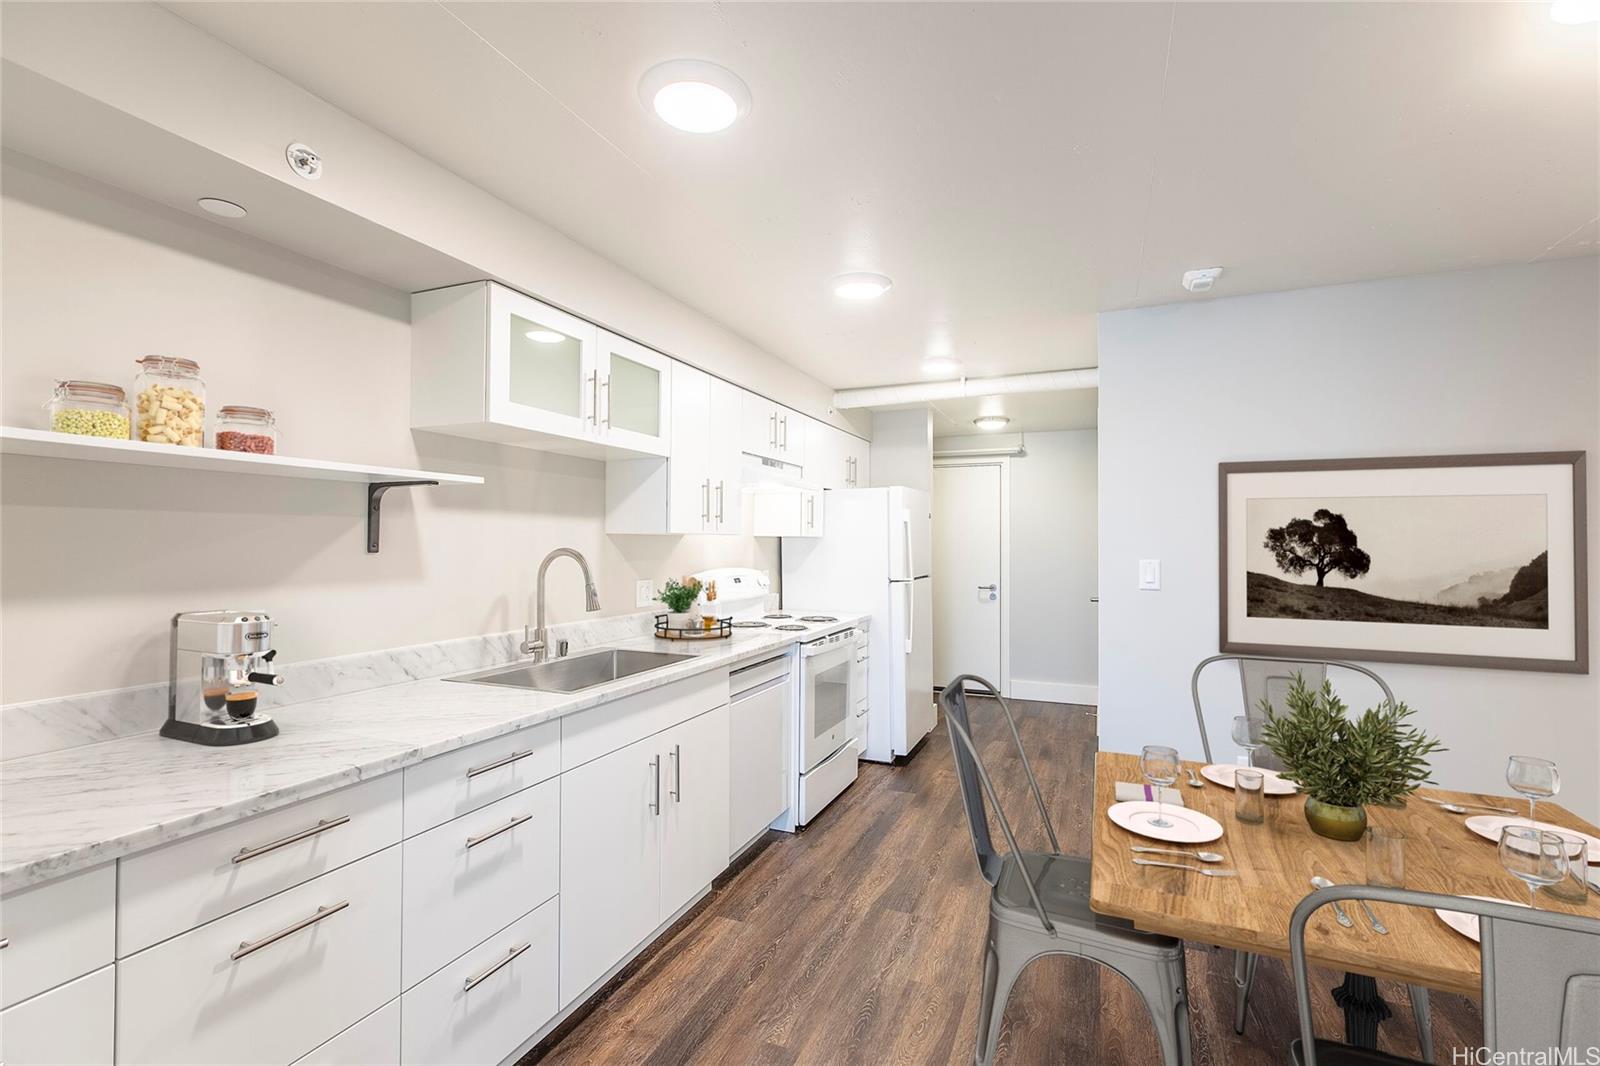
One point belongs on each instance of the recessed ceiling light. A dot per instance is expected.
(545, 336)
(861, 286)
(223, 208)
(991, 422)
(940, 364)
(694, 96)
(1575, 12)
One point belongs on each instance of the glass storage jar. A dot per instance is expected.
(90, 409)
(246, 429)
(169, 402)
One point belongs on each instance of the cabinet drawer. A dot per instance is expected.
(184, 885)
(590, 734)
(451, 785)
(481, 1007)
(268, 983)
(71, 1024)
(57, 931)
(373, 1041)
(473, 875)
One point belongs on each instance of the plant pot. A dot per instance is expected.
(1335, 822)
(682, 620)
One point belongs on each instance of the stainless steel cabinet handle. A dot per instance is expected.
(677, 772)
(594, 398)
(498, 763)
(483, 975)
(246, 854)
(783, 440)
(811, 503)
(772, 429)
(250, 947)
(473, 842)
(720, 486)
(607, 386)
(5, 942)
(705, 502)
(655, 766)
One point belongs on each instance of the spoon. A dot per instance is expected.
(1456, 808)
(1201, 870)
(1338, 911)
(1203, 856)
(1194, 782)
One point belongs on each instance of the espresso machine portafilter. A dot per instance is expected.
(218, 660)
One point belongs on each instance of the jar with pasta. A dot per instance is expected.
(90, 409)
(170, 402)
(246, 429)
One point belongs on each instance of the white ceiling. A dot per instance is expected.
(1031, 412)
(1015, 168)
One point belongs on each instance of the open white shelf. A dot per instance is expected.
(378, 479)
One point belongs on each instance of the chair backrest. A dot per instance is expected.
(977, 788)
(1269, 677)
(1541, 969)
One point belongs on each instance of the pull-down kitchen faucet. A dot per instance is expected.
(537, 644)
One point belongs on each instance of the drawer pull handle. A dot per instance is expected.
(246, 854)
(250, 947)
(5, 942)
(483, 975)
(507, 761)
(473, 842)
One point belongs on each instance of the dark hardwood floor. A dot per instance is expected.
(859, 941)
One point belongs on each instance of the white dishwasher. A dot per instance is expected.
(760, 747)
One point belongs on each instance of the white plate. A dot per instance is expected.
(1488, 827)
(1188, 826)
(1467, 924)
(1221, 773)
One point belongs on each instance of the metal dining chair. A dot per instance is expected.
(1039, 901)
(1541, 978)
(1269, 677)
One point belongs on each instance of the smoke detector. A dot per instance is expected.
(1201, 280)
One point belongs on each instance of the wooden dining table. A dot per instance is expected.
(1276, 860)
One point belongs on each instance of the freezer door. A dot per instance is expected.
(920, 714)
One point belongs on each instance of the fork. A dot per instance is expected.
(1202, 870)
(1377, 926)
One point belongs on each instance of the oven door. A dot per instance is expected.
(827, 701)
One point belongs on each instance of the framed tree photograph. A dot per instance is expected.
(1454, 560)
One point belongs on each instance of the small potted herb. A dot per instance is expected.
(1342, 764)
(680, 598)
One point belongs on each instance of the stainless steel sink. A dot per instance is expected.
(576, 673)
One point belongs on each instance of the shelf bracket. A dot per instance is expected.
(375, 491)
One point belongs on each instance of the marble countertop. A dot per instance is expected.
(68, 810)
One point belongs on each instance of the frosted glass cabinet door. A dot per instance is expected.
(541, 367)
(635, 387)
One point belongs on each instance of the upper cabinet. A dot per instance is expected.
(490, 363)
(772, 430)
(835, 459)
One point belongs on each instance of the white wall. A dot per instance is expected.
(94, 560)
(1491, 360)
(902, 448)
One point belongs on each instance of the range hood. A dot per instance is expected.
(759, 472)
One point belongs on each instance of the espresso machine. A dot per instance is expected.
(218, 660)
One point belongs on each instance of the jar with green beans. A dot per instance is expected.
(90, 409)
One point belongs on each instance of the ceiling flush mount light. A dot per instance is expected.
(694, 96)
(942, 365)
(1575, 12)
(221, 208)
(1201, 280)
(545, 336)
(991, 422)
(861, 286)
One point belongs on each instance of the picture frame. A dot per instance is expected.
(1447, 560)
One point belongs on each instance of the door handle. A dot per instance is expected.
(607, 386)
(247, 853)
(483, 975)
(720, 486)
(989, 588)
(785, 444)
(594, 398)
(677, 772)
(811, 510)
(705, 502)
(772, 429)
(655, 806)
(250, 947)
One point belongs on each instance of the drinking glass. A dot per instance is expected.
(1539, 858)
(1249, 804)
(1249, 733)
(1160, 767)
(1386, 857)
(1573, 888)
(1533, 777)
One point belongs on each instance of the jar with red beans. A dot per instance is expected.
(246, 429)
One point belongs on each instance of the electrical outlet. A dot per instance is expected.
(644, 592)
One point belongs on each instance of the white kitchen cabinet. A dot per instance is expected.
(694, 810)
(772, 430)
(760, 746)
(57, 931)
(373, 1041)
(788, 512)
(490, 363)
(834, 459)
(697, 489)
(858, 456)
(448, 786)
(74, 1023)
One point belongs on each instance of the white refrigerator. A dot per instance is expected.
(874, 557)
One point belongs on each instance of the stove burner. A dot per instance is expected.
(779, 614)
(750, 625)
(792, 628)
(818, 618)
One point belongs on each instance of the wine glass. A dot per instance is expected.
(1249, 733)
(1539, 858)
(1533, 777)
(1160, 767)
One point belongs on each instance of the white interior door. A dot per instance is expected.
(967, 562)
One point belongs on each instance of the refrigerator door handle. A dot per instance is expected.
(911, 610)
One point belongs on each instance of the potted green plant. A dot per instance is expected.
(680, 598)
(1343, 764)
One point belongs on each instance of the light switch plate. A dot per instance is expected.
(1150, 575)
(644, 592)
